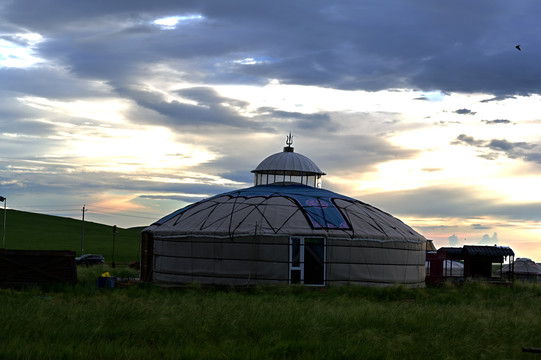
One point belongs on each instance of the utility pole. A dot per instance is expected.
(83, 235)
(5, 201)
(114, 237)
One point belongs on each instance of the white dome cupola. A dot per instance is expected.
(288, 167)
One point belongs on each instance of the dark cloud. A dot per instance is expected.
(204, 107)
(354, 154)
(492, 149)
(480, 227)
(451, 202)
(50, 83)
(350, 45)
(209, 108)
(64, 176)
(499, 98)
(508, 147)
(496, 122)
(302, 121)
(465, 112)
(468, 140)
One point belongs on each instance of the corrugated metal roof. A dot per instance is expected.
(476, 250)
(451, 251)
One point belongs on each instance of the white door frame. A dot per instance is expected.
(298, 264)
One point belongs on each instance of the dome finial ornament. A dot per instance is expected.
(289, 140)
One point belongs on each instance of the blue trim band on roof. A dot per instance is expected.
(316, 204)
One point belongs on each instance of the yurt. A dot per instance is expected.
(285, 229)
(524, 269)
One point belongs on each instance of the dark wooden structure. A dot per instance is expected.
(478, 263)
(30, 267)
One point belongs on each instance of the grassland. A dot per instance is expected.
(141, 321)
(26, 231)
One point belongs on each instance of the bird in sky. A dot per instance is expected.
(518, 47)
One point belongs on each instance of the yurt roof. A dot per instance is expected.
(288, 161)
(524, 266)
(283, 210)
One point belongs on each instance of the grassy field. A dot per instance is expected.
(26, 231)
(140, 321)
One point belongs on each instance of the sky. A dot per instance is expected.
(133, 109)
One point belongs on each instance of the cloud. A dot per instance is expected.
(468, 140)
(465, 112)
(497, 122)
(480, 227)
(350, 45)
(179, 78)
(188, 198)
(492, 149)
(66, 175)
(487, 240)
(204, 108)
(357, 153)
(38, 82)
(452, 202)
(499, 98)
(453, 240)
(301, 121)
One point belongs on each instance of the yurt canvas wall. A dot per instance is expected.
(309, 260)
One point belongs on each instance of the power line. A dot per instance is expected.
(124, 211)
(94, 209)
(49, 205)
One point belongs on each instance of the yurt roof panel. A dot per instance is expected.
(524, 266)
(283, 210)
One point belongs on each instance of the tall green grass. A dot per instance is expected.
(141, 321)
(31, 231)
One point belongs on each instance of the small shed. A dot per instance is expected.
(29, 267)
(479, 262)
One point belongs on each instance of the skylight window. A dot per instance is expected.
(171, 22)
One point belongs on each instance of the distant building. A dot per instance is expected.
(469, 261)
(285, 229)
(524, 269)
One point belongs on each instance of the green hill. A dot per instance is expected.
(31, 231)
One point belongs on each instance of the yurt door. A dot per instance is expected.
(307, 260)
